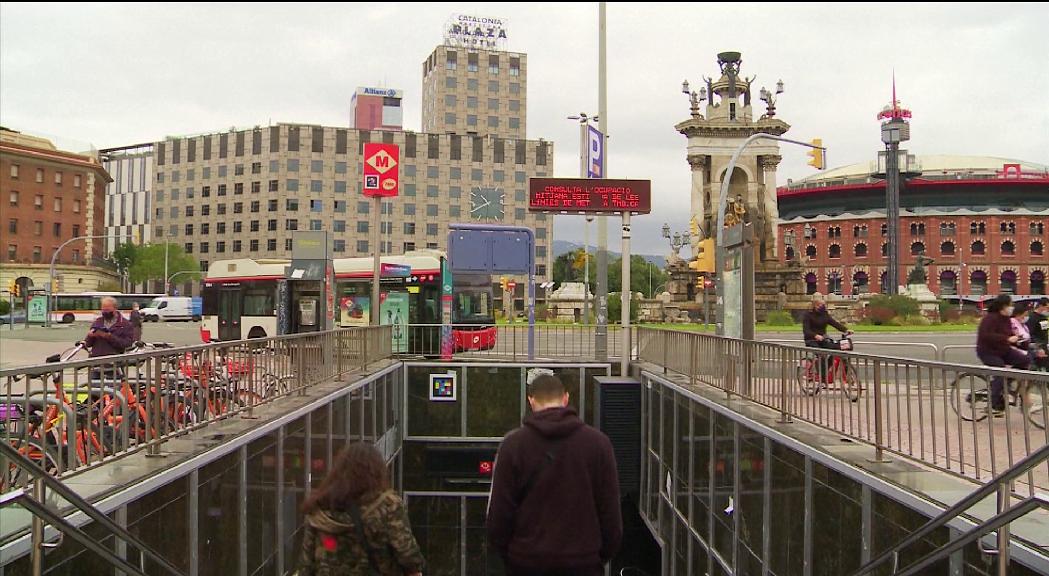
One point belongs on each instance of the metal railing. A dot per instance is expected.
(68, 415)
(510, 341)
(934, 412)
(36, 503)
(1000, 522)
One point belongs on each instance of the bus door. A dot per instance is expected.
(229, 314)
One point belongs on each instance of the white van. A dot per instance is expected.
(169, 308)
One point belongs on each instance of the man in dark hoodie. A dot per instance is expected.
(554, 507)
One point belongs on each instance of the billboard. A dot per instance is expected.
(586, 196)
(476, 32)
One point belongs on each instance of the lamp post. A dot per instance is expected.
(694, 98)
(770, 99)
(584, 121)
(51, 271)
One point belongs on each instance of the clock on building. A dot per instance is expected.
(487, 203)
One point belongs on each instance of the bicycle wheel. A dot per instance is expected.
(808, 378)
(970, 397)
(43, 456)
(850, 382)
(1035, 402)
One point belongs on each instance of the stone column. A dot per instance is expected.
(699, 165)
(771, 206)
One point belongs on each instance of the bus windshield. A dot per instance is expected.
(473, 306)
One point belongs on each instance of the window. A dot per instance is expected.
(205, 192)
(76, 206)
(293, 165)
(256, 187)
(58, 204)
(340, 186)
(237, 246)
(316, 205)
(14, 171)
(37, 254)
(431, 210)
(40, 176)
(238, 207)
(1037, 248)
(315, 225)
(271, 244)
(273, 186)
(917, 248)
(515, 122)
(256, 168)
(454, 211)
(253, 245)
(291, 224)
(340, 206)
(1037, 229)
(76, 181)
(238, 227)
(38, 202)
(362, 246)
(861, 250)
(220, 247)
(238, 170)
(810, 251)
(316, 166)
(363, 207)
(339, 246)
(189, 229)
(947, 248)
(409, 209)
(339, 225)
(493, 121)
(362, 227)
(917, 229)
(254, 227)
(885, 250)
(409, 228)
(271, 205)
(12, 226)
(271, 225)
(14, 198)
(222, 190)
(292, 185)
(493, 64)
(1008, 227)
(76, 230)
(221, 209)
(431, 229)
(977, 228)
(979, 248)
(189, 211)
(948, 229)
(449, 82)
(205, 210)
(1008, 248)
(493, 86)
(431, 191)
(291, 205)
(38, 228)
(255, 205)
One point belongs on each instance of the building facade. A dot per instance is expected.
(475, 91)
(982, 220)
(50, 196)
(129, 197)
(243, 193)
(377, 109)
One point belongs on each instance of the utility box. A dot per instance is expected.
(617, 409)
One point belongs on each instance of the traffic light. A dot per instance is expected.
(502, 283)
(818, 156)
(13, 288)
(704, 262)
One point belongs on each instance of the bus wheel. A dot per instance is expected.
(68, 318)
(196, 318)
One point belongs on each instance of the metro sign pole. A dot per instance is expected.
(380, 181)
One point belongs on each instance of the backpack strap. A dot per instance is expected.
(355, 511)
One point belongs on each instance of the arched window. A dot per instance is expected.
(978, 283)
(790, 252)
(1037, 248)
(979, 248)
(810, 251)
(835, 251)
(917, 248)
(1008, 248)
(861, 250)
(885, 250)
(810, 283)
(1008, 282)
(948, 283)
(947, 249)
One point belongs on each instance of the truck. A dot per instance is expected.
(168, 308)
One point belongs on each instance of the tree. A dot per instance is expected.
(645, 277)
(124, 256)
(569, 267)
(149, 263)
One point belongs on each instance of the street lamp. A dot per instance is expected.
(584, 121)
(770, 99)
(694, 98)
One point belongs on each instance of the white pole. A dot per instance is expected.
(624, 361)
(166, 244)
(601, 347)
(376, 266)
(586, 223)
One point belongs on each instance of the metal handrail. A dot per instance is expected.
(40, 509)
(994, 485)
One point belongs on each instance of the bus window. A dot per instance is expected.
(258, 302)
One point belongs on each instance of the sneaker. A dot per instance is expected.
(998, 413)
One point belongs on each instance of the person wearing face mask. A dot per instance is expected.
(1038, 326)
(996, 346)
(111, 333)
(814, 327)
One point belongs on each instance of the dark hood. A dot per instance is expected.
(554, 422)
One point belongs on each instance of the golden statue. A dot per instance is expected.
(736, 212)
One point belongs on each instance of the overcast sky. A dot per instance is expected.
(975, 75)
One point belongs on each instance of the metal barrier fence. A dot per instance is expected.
(510, 341)
(68, 415)
(934, 412)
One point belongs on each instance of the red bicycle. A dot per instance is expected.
(840, 373)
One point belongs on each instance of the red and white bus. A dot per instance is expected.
(241, 300)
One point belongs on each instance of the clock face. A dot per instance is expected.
(487, 204)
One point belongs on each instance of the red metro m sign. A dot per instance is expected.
(589, 196)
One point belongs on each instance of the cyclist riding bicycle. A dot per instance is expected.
(814, 328)
(996, 346)
(1038, 326)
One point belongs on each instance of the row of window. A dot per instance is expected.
(58, 176)
(38, 254)
(432, 229)
(451, 62)
(473, 85)
(338, 245)
(338, 206)
(14, 198)
(38, 228)
(918, 229)
(978, 248)
(451, 101)
(409, 149)
(1009, 283)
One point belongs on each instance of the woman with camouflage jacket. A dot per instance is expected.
(355, 524)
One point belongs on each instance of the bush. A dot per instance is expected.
(779, 318)
(880, 315)
(615, 308)
(5, 307)
(900, 305)
(895, 321)
(917, 321)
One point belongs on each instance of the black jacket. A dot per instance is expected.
(816, 322)
(1038, 325)
(570, 517)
